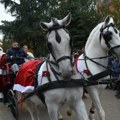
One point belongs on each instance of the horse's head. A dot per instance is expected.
(110, 36)
(59, 44)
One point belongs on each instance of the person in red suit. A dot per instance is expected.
(4, 76)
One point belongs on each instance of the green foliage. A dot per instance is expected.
(112, 9)
(26, 30)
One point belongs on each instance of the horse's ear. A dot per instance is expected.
(107, 19)
(44, 26)
(66, 20)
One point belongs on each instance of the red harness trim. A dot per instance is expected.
(45, 73)
(87, 72)
(21, 101)
(75, 62)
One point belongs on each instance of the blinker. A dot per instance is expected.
(107, 36)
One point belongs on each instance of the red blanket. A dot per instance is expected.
(25, 76)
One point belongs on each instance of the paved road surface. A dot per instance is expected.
(110, 103)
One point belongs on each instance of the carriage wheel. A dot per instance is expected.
(13, 104)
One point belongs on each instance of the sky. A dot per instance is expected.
(4, 16)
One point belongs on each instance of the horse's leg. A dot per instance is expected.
(60, 117)
(31, 108)
(38, 112)
(52, 110)
(69, 112)
(28, 105)
(96, 101)
(92, 112)
(80, 110)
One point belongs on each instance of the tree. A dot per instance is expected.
(112, 9)
(26, 30)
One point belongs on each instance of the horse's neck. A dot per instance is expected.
(94, 50)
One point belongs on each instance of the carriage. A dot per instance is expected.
(52, 79)
(27, 73)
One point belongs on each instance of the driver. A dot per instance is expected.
(15, 56)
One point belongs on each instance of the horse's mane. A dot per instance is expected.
(92, 34)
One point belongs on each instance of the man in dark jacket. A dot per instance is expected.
(116, 74)
(15, 56)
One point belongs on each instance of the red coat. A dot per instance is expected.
(4, 72)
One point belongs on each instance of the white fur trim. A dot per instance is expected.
(23, 89)
(80, 65)
(1, 95)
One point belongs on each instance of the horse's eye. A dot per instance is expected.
(49, 46)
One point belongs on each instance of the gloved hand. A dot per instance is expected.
(11, 57)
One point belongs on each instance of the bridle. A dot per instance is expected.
(107, 37)
(56, 27)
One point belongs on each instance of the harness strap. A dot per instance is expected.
(97, 58)
(97, 63)
(48, 75)
(63, 58)
(56, 74)
(54, 85)
(99, 75)
(41, 97)
(36, 74)
(86, 63)
(64, 84)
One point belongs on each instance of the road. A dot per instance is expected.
(111, 106)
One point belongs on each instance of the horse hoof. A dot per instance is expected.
(69, 113)
(92, 117)
(60, 118)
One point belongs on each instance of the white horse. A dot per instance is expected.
(104, 38)
(59, 66)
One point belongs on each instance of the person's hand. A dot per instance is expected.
(11, 57)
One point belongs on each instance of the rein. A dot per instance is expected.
(98, 75)
(96, 58)
(56, 74)
(96, 62)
